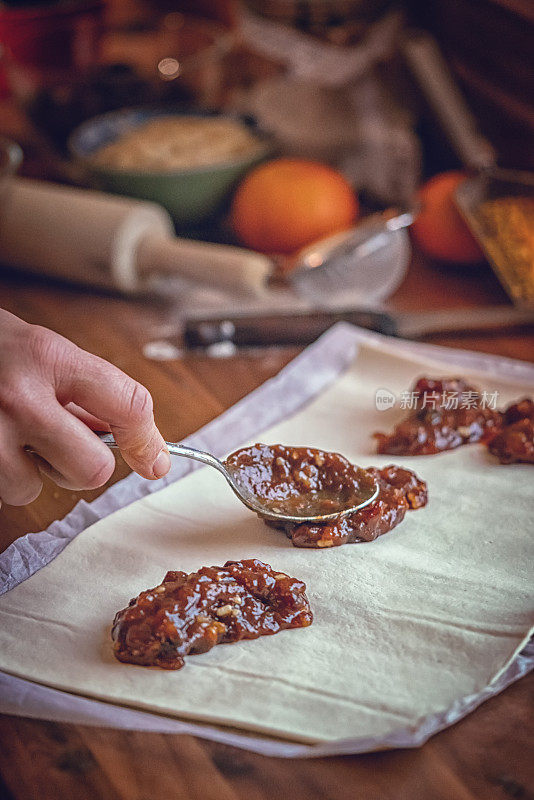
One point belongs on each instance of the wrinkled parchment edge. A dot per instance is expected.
(297, 384)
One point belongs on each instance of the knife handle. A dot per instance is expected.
(280, 329)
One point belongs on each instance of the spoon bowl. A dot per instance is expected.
(295, 512)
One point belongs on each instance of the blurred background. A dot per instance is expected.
(67, 61)
(341, 110)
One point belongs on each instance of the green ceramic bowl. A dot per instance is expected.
(191, 196)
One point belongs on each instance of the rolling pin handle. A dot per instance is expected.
(215, 265)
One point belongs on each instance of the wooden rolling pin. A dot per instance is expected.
(113, 242)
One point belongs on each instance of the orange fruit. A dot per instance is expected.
(288, 203)
(439, 230)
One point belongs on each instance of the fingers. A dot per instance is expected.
(73, 456)
(143, 451)
(40, 373)
(141, 444)
(107, 393)
(20, 481)
(90, 420)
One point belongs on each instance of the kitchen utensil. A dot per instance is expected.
(302, 329)
(113, 242)
(368, 489)
(119, 243)
(354, 261)
(189, 195)
(432, 73)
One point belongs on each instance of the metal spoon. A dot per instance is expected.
(252, 501)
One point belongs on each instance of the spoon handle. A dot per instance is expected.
(175, 450)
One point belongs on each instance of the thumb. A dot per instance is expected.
(113, 397)
(140, 442)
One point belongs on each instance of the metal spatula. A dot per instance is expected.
(489, 182)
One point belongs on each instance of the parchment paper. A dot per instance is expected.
(411, 631)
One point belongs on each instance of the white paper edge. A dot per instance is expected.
(320, 364)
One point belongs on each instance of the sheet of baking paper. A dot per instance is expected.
(411, 631)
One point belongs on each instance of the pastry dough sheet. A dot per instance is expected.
(404, 626)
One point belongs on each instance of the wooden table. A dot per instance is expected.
(485, 756)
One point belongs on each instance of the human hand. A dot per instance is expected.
(51, 394)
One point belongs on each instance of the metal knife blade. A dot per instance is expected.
(303, 328)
